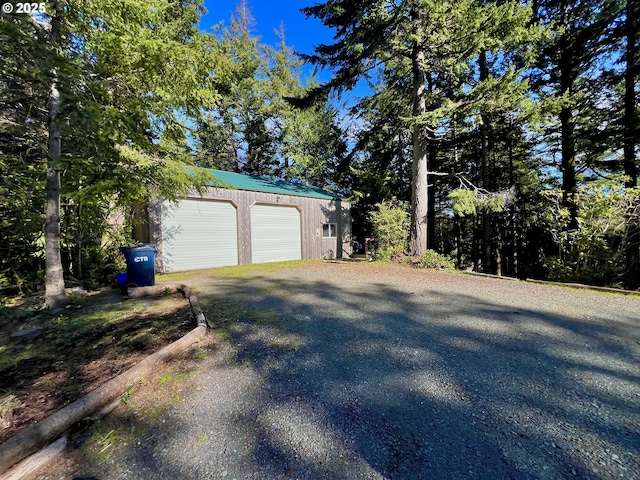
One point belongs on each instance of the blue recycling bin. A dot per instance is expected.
(141, 262)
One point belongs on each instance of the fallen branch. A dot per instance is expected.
(195, 306)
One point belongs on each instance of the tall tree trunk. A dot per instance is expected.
(568, 165)
(567, 123)
(458, 231)
(486, 178)
(54, 274)
(632, 249)
(476, 244)
(54, 279)
(432, 153)
(513, 224)
(457, 218)
(419, 185)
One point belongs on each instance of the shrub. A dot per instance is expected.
(390, 228)
(433, 259)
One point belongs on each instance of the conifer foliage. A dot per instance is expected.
(509, 128)
(96, 95)
(432, 46)
(491, 111)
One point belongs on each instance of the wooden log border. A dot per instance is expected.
(139, 292)
(579, 286)
(37, 460)
(36, 436)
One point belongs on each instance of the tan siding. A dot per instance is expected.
(314, 213)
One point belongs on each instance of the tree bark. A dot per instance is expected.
(487, 266)
(458, 231)
(54, 275)
(632, 248)
(513, 216)
(567, 124)
(35, 462)
(568, 165)
(432, 155)
(476, 244)
(419, 185)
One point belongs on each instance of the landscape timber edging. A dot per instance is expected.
(138, 292)
(579, 286)
(33, 438)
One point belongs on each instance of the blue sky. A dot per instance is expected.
(302, 34)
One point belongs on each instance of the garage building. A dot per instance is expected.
(248, 220)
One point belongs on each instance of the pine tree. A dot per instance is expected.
(254, 128)
(23, 72)
(581, 30)
(631, 128)
(437, 41)
(123, 78)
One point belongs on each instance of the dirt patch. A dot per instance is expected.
(102, 335)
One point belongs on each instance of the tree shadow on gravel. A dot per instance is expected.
(437, 385)
(382, 379)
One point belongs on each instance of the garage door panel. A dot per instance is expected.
(199, 234)
(275, 233)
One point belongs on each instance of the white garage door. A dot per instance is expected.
(199, 234)
(275, 233)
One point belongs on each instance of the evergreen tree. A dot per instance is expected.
(436, 41)
(22, 151)
(582, 29)
(123, 78)
(589, 66)
(631, 129)
(254, 129)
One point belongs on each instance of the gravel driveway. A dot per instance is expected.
(360, 371)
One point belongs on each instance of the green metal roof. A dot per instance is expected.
(259, 184)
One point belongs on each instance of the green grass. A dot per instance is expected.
(200, 353)
(126, 398)
(81, 335)
(239, 272)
